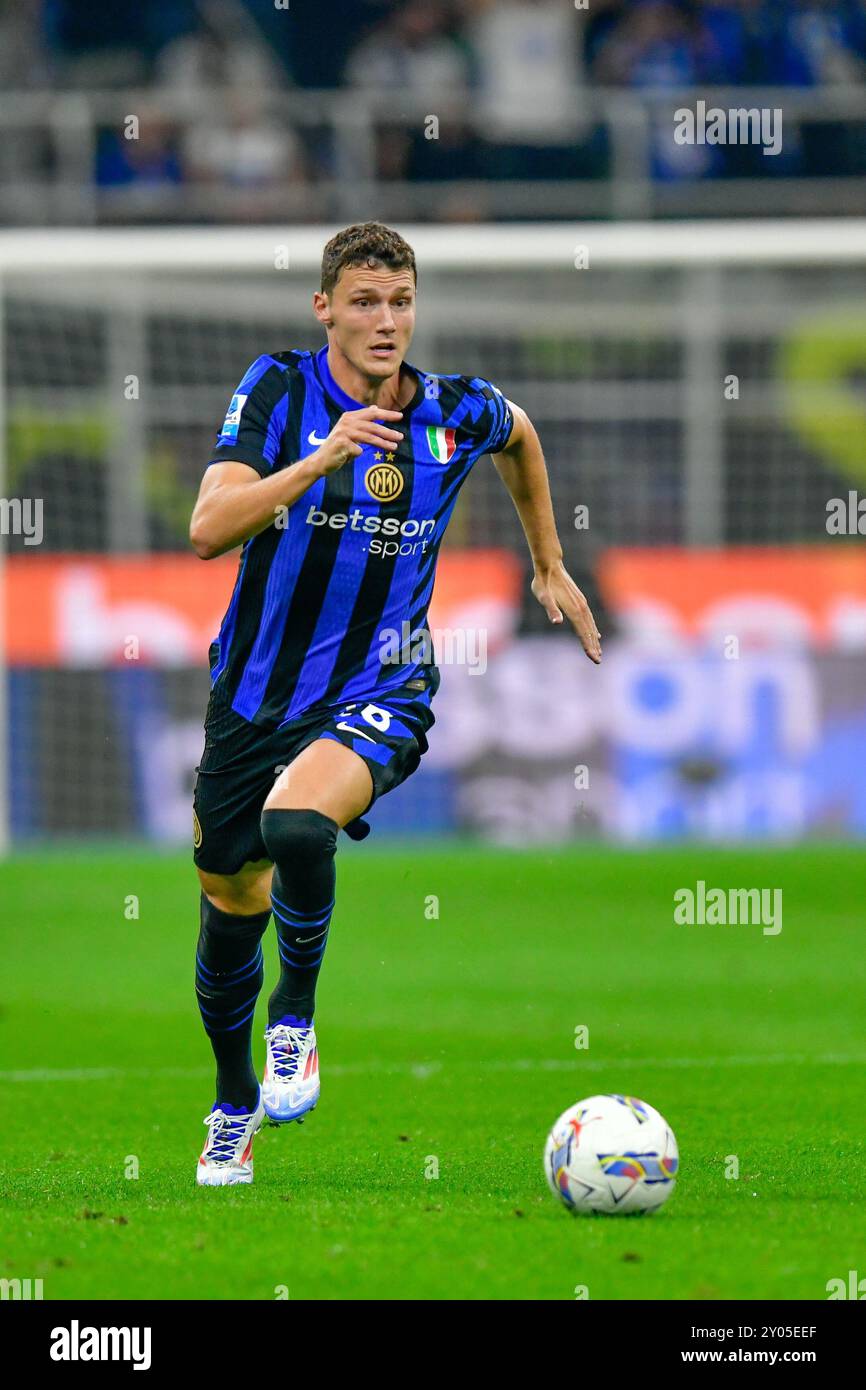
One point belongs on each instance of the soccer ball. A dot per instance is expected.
(611, 1154)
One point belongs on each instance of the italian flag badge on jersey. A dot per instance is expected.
(442, 443)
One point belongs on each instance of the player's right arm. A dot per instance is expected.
(235, 502)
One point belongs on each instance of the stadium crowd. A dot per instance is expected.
(520, 76)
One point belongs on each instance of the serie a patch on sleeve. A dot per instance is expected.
(232, 422)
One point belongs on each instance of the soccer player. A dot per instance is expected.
(338, 472)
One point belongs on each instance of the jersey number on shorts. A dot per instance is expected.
(377, 717)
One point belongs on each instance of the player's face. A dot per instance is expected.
(372, 314)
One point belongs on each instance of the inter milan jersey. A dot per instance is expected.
(327, 596)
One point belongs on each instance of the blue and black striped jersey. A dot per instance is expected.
(352, 559)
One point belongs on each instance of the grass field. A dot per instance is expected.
(450, 1039)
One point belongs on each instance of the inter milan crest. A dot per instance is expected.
(383, 481)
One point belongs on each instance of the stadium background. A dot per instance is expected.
(687, 407)
(686, 325)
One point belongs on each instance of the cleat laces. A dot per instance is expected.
(226, 1132)
(287, 1044)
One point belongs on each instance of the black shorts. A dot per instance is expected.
(241, 761)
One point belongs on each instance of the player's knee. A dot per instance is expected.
(241, 894)
(294, 838)
(228, 922)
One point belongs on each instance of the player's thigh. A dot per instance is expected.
(243, 893)
(236, 773)
(326, 777)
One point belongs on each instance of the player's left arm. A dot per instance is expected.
(521, 466)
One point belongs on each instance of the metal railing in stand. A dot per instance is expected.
(50, 143)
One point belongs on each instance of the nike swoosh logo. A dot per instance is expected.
(314, 438)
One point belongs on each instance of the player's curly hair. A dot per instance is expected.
(365, 243)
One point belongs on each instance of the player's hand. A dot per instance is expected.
(353, 432)
(558, 594)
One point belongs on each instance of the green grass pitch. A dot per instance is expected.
(446, 1044)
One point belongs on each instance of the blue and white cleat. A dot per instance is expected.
(227, 1157)
(290, 1088)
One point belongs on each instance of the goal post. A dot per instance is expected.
(517, 246)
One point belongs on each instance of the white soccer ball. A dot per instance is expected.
(611, 1154)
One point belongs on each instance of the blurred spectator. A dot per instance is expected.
(530, 71)
(226, 50)
(531, 102)
(804, 42)
(412, 51)
(23, 57)
(244, 150)
(659, 43)
(149, 160)
(654, 43)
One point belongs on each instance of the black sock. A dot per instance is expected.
(229, 975)
(302, 845)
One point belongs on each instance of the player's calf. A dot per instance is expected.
(302, 845)
(229, 977)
